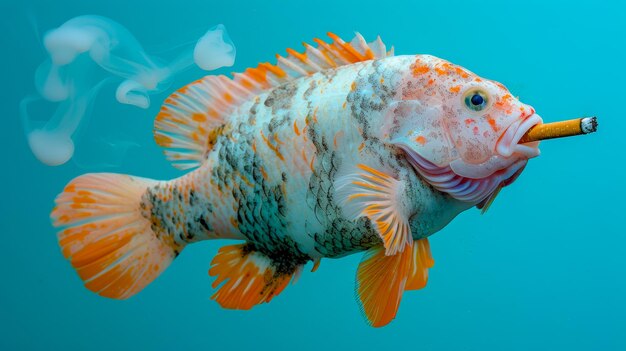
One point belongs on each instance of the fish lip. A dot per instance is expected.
(508, 143)
(465, 189)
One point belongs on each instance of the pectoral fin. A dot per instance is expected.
(378, 196)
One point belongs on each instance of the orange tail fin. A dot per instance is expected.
(105, 236)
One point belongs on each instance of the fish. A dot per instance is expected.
(340, 149)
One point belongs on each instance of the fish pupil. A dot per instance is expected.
(477, 100)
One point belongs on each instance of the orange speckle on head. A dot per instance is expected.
(477, 80)
(353, 86)
(431, 81)
(295, 128)
(361, 146)
(440, 71)
(455, 89)
(460, 71)
(420, 140)
(345, 103)
(469, 121)
(382, 80)
(419, 69)
(504, 104)
(492, 123)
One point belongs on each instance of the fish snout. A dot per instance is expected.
(508, 143)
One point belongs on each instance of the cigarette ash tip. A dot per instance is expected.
(589, 125)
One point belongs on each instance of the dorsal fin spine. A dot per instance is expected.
(292, 66)
(246, 83)
(274, 69)
(329, 49)
(323, 59)
(339, 43)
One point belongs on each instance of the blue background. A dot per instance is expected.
(544, 269)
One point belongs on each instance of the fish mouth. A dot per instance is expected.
(474, 183)
(507, 151)
(508, 143)
(462, 188)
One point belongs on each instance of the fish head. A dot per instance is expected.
(458, 128)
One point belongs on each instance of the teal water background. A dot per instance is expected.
(544, 269)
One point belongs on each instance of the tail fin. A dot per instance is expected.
(105, 236)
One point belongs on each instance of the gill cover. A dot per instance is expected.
(416, 127)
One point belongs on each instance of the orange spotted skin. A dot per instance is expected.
(269, 177)
(269, 171)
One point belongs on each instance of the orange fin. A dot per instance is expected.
(250, 278)
(380, 283)
(189, 120)
(420, 263)
(378, 196)
(106, 238)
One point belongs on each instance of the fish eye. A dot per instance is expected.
(476, 100)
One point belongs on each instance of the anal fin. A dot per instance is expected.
(249, 277)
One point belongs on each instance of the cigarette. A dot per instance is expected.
(561, 129)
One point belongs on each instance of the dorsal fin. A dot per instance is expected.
(190, 119)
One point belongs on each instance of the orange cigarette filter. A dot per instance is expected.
(561, 129)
